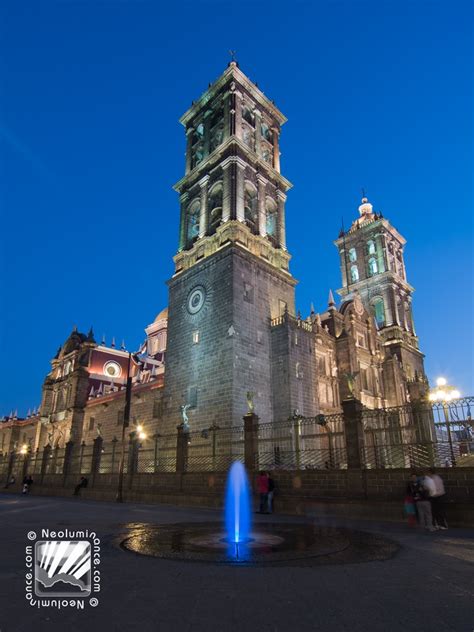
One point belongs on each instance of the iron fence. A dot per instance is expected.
(410, 436)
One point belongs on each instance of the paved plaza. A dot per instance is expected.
(428, 585)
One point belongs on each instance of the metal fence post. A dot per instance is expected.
(67, 457)
(45, 460)
(96, 455)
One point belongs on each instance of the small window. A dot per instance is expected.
(373, 267)
(120, 417)
(371, 247)
(195, 337)
(248, 293)
(354, 274)
(299, 371)
(352, 254)
(379, 312)
(157, 409)
(192, 396)
(91, 423)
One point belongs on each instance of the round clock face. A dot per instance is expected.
(112, 369)
(196, 299)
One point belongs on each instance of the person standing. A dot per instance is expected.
(436, 498)
(27, 483)
(423, 504)
(262, 489)
(411, 496)
(271, 492)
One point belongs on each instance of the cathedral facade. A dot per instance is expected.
(231, 332)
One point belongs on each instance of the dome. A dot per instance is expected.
(161, 315)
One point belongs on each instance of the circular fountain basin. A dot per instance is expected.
(279, 544)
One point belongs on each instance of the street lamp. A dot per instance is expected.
(444, 393)
(125, 424)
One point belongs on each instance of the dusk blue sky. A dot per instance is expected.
(377, 94)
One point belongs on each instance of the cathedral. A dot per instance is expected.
(231, 332)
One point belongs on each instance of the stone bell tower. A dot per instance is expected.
(372, 265)
(231, 269)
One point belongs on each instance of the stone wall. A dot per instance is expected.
(369, 494)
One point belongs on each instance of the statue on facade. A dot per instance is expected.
(250, 402)
(351, 381)
(184, 417)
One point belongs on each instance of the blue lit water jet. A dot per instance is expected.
(237, 506)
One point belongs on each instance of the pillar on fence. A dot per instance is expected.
(182, 446)
(96, 455)
(45, 460)
(68, 448)
(11, 465)
(132, 456)
(250, 441)
(353, 431)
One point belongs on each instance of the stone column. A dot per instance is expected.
(353, 431)
(251, 442)
(182, 446)
(262, 212)
(182, 222)
(207, 133)
(96, 454)
(226, 191)
(189, 148)
(281, 197)
(227, 114)
(276, 149)
(258, 132)
(239, 191)
(203, 218)
(238, 114)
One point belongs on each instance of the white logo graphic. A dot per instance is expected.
(62, 568)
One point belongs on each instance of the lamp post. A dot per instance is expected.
(126, 421)
(444, 393)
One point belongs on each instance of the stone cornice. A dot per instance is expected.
(214, 160)
(368, 228)
(237, 233)
(232, 72)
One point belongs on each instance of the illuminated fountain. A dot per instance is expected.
(237, 508)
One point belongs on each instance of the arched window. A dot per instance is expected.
(193, 222)
(379, 312)
(199, 132)
(248, 136)
(271, 220)
(373, 267)
(248, 115)
(266, 132)
(371, 249)
(267, 155)
(352, 254)
(251, 207)
(214, 205)
(354, 274)
(197, 154)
